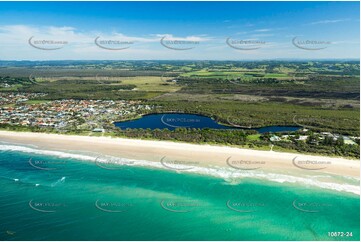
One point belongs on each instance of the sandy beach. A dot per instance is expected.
(172, 154)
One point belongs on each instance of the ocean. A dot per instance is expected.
(49, 195)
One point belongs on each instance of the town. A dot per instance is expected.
(69, 114)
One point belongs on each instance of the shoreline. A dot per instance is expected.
(180, 153)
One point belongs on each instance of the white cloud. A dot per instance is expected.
(329, 21)
(14, 46)
(187, 38)
(262, 35)
(262, 30)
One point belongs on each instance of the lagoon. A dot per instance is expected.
(172, 121)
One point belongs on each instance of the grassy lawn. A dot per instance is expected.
(253, 137)
(36, 101)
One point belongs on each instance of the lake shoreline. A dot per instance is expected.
(156, 119)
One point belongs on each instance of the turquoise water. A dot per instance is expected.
(172, 121)
(78, 200)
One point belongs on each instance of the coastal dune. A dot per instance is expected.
(176, 154)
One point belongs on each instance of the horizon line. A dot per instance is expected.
(276, 59)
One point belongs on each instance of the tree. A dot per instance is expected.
(340, 141)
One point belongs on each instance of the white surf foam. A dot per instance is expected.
(59, 154)
(230, 175)
(61, 180)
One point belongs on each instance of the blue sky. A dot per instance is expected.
(273, 30)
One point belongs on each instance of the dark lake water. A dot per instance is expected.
(172, 121)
